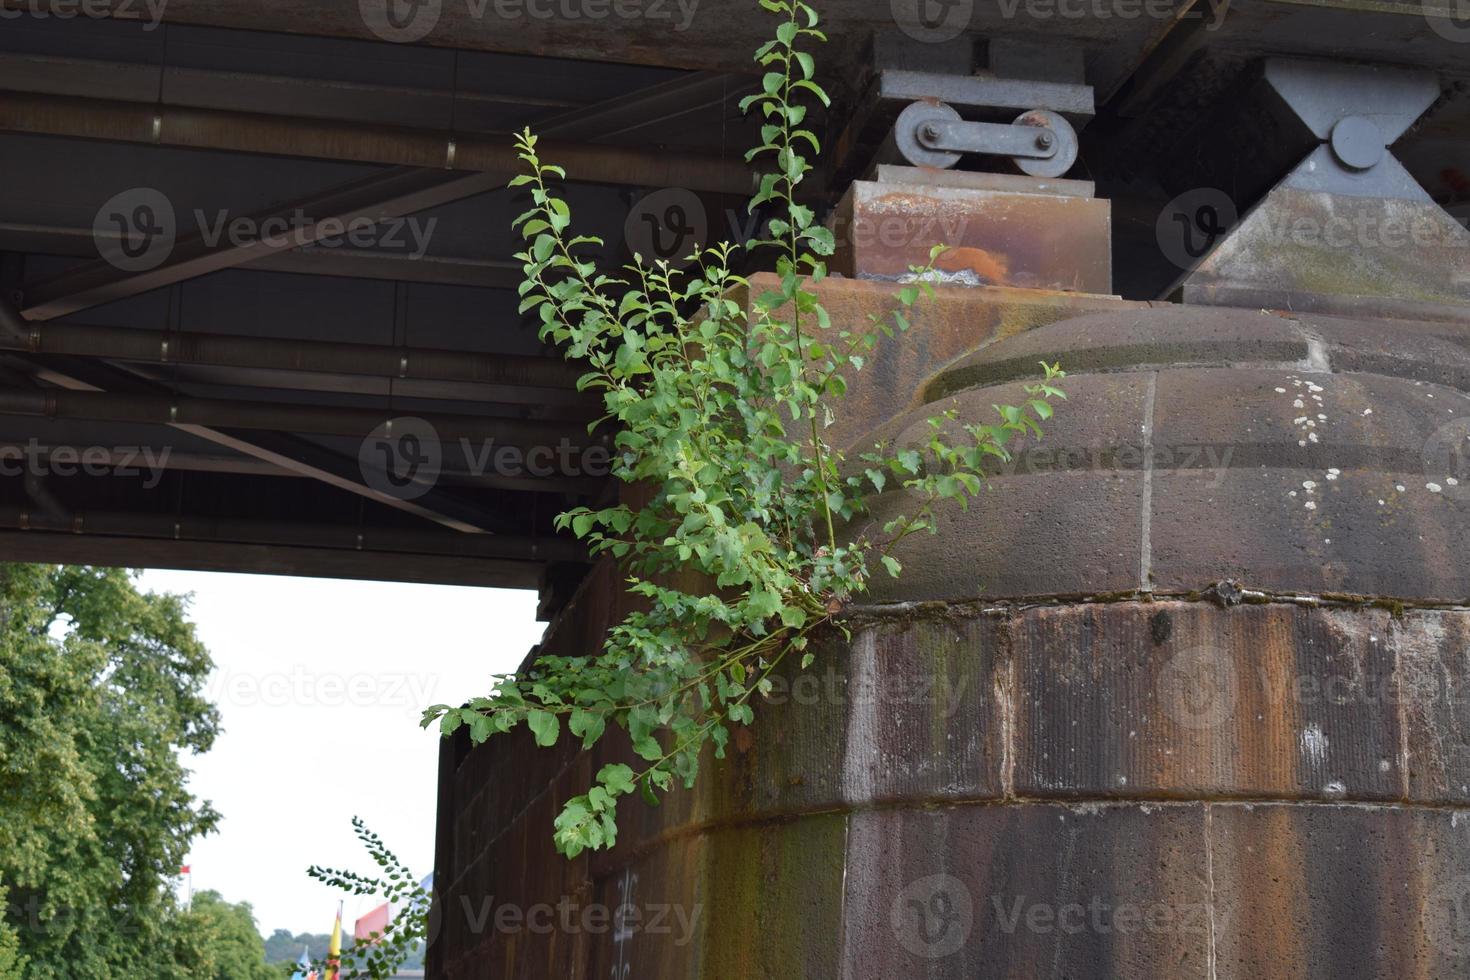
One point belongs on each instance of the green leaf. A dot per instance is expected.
(545, 726)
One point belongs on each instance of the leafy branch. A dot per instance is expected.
(741, 534)
(380, 955)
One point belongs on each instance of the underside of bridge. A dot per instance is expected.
(260, 314)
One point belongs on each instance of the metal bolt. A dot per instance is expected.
(1044, 141)
(929, 132)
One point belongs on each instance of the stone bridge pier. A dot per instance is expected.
(1184, 694)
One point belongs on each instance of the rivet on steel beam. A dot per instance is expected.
(158, 127)
(178, 530)
(1044, 141)
(449, 151)
(403, 366)
(76, 524)
(173, 413)
(163, 351)
(359, 540)
(35, 340)
(25, 520)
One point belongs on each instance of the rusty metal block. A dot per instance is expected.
(995, 238)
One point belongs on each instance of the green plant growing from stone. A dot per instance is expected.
(745, 539)
(380, 955)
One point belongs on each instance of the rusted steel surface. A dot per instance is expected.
(1035, 241)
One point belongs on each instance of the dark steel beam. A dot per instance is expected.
(344, 537)
(104, 406)
(260, 559)
(393, 193)
(313, 260)
(655, 106)
(167, 458)
(325, 98)
(228, 350)
(244, 132)
(276, 448)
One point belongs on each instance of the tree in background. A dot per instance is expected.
(100, 692)
(232, 943)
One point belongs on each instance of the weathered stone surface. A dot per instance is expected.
(1313, 250)
(1310, 475)
(1333, 891)
(1022, 891)
(950, 325)
(1185, 700)
(1433, 688)
(1063, 518)
(1320, 484)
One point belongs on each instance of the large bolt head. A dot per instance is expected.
(1357, 142)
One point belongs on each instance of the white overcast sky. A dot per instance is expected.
(316, 680)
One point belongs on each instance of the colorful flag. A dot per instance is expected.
(374, 923)
(334, 950)
(184, 870)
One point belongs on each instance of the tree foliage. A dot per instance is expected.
(748, 533)
(381, 954)
(231, 947)
(100, 693)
